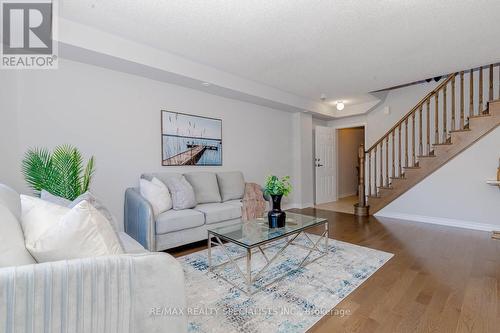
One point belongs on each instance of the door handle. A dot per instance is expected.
(319, 165)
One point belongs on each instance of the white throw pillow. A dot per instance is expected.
(38, 216)
(82, 232)
(157, 194)
(183, 196)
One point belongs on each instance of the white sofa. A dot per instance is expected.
(219, 198)
(136, 292)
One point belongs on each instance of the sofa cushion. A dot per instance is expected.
(218, 212)
(236, 202)
(11, 200)
(205, 186)
(175, 220)
(231, 185)
(12, 249)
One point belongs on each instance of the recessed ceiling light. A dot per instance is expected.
(205, 84)
(340, 105)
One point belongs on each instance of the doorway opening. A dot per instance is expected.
(345, 183)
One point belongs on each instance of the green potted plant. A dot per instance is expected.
(276, 188)
(60, 172)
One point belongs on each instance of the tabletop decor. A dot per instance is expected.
(277, 188)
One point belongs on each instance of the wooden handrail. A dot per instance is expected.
(406, 116)
(398, 146)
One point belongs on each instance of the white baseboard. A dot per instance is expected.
(441, 221)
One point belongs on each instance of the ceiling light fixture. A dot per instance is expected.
(340, 105)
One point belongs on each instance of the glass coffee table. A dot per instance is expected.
(255, 236)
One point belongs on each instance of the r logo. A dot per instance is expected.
(27, 28)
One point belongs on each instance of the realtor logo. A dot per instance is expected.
(28, 34)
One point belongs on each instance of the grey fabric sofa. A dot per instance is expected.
(219, 204)
(122, 293)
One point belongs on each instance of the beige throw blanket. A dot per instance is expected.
(254, 205)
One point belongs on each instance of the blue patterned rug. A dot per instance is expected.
(292, 305)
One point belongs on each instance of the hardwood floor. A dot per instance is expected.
(440, 279)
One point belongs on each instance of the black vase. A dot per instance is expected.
(276, 216)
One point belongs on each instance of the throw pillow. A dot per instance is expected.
(156, 193)
(38, 216)
(82, 232)
(47, 196)
(231, 184)
(182, 193)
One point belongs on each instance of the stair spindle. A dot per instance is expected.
(406, 142)
(420, 146)
(370, 173)
(462, 101)
(453, 121)
(490, 91)
(393, 153)
(387, 161)
(381, 164)
(413, 157)
(445, 116)
(399, 154)
(428, 128)
(436, 118)
(471, 93)
(480, 108)
(375, 169)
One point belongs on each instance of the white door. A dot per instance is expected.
(325, 165)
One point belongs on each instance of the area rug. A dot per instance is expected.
(292, 305)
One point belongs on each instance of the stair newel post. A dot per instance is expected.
(361, 209)
(381, 163)
(445, 116)
(480, 92)
(499, 81)
(462, 101)
(453, 122)
(490, 90)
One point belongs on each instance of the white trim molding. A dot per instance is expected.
(440, 221)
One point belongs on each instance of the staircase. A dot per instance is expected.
(457, 113)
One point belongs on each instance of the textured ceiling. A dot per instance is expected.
(309, 47)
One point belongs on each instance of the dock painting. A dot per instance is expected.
(190, 140)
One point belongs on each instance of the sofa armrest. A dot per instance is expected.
(139, 219)
(125, 293)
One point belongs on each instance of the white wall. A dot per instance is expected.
(457, 193)
(348, 141)
(116, 117)
(8, 126)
